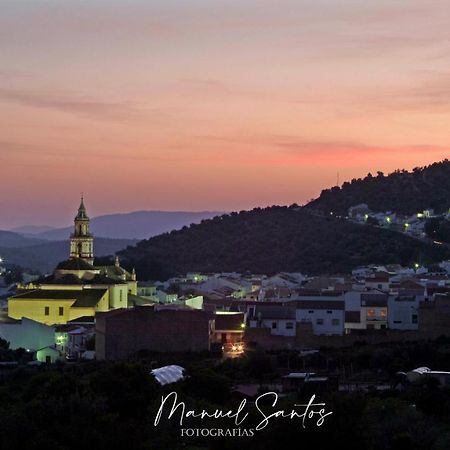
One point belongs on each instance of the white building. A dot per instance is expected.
(403, 312)
(327, 317)
(281, 320)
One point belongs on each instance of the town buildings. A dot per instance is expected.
(203, 310)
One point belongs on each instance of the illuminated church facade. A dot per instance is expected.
(77, 288)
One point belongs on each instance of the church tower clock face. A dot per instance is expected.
(81, 240)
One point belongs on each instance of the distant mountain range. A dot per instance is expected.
(43, 256)
(31, 229)
(42, 247)
(133, 225)
(8, 239)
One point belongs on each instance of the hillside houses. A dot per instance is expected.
(370, 300)
(412, 225)
(281, 311)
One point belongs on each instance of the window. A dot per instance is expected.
(289, 325)
(47, 310)
(335, 322)
(274, 325)
(61, 310)
(329, 312)
(414, 318)
(383, 313)
(310, 312)
(319, 321)
(370, 312)
(121, 295)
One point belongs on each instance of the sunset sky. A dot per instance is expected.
(213, 104)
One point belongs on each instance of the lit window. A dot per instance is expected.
(370, 312)
(383, 313)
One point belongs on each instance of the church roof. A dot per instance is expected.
(70, 279)
(75, 264)
(103, 279)
(66, 279)
(83, 298)
(115, 272)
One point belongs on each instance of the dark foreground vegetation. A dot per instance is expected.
(113, 405)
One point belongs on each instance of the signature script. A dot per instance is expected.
(171, 407)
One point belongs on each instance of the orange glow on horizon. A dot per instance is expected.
(197, 105)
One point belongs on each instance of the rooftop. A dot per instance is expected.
(320, 304)
(75, 264)
(82, 298)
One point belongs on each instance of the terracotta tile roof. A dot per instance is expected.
(320, 304)
(75, 264)
(82, 298)
(280, 312)
(374, 299)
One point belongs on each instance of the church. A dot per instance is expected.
(77, 289)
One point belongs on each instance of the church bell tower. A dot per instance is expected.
(81, 240)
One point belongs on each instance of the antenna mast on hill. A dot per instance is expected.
(337, 180)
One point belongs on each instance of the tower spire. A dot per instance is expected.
(81, 240)
(82, 210)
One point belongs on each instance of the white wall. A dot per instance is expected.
(27, 334)
(322, 320)
(400, 314)
(282, 327)
(352, 300)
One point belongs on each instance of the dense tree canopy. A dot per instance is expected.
(401, 191)
(271, 240)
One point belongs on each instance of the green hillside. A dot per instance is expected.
(271, 240)
(401, 191)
